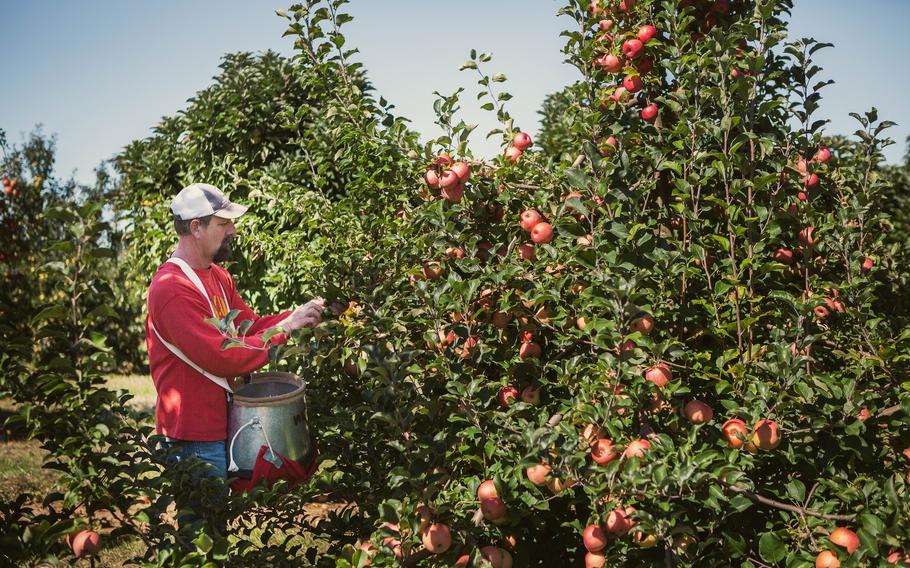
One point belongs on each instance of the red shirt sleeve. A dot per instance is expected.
(181, 321)
(260, 323)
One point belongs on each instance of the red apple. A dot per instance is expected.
(627, 346)
(626, 5)
(437, 538)
(507, 395)
(631, 48)
(605, 25)
(632, 83)
(487, 490)
(643, 325)
(594, 7)
(826, 559)
(497, 557)
(542, 233)
(610, 143)
(603, 451)
(530, 395)
(618, 522)
(521, 140)
(594, 537)
(810, 180)
(845, 538)
(646, 32)
(493, 509)
(659, 374)
(619, 94)
(462, 170)
(537, 474)
(512, 154)
(526, 252)
(637, 449)
(868, 263)
(432, 179)
(808, 237)
(595, 560)
(443, 160)
(529, 350)
(649, 113)
(736, 432)
(85, 543)
(765, 435)
(698, 412)
(448, 179)
(529, 218)
(609, 62)
(823, 155)
(432, 270)
(453, 194)
(784, 256)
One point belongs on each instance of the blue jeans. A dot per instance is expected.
(212, 453)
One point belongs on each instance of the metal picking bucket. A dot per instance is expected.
(270, 410)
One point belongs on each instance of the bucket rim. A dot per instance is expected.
(272, 377)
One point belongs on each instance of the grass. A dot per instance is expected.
(140, 386)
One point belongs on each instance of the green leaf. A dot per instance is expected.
(771, 548)
(577, 178)
(49, 313)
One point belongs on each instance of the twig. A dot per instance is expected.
(786, 507)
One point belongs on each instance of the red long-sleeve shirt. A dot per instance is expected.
(190, 406)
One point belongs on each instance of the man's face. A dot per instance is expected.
(217, 237)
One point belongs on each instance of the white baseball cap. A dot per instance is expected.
(201, 200)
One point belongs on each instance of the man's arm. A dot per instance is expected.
(308, 315)
(182, 322)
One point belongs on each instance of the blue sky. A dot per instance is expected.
(100, 73)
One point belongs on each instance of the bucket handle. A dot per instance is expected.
(255, 420)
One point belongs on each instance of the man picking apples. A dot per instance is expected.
(193, 376)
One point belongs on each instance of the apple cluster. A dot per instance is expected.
(628, 58)
(9, 186)
(448, 177)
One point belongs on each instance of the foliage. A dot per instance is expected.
(698, 218)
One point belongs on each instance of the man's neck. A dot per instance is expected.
(192, 256)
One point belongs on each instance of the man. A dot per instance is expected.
(191, 372)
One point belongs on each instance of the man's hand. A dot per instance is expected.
(307, 315)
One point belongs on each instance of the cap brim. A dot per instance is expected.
(232, 211)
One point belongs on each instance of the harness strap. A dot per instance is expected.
(194, 278)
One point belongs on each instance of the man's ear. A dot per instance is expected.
(195, 225)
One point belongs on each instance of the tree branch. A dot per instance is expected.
(784, 506)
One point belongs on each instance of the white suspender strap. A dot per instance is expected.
(220, 381)
(194, 278)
